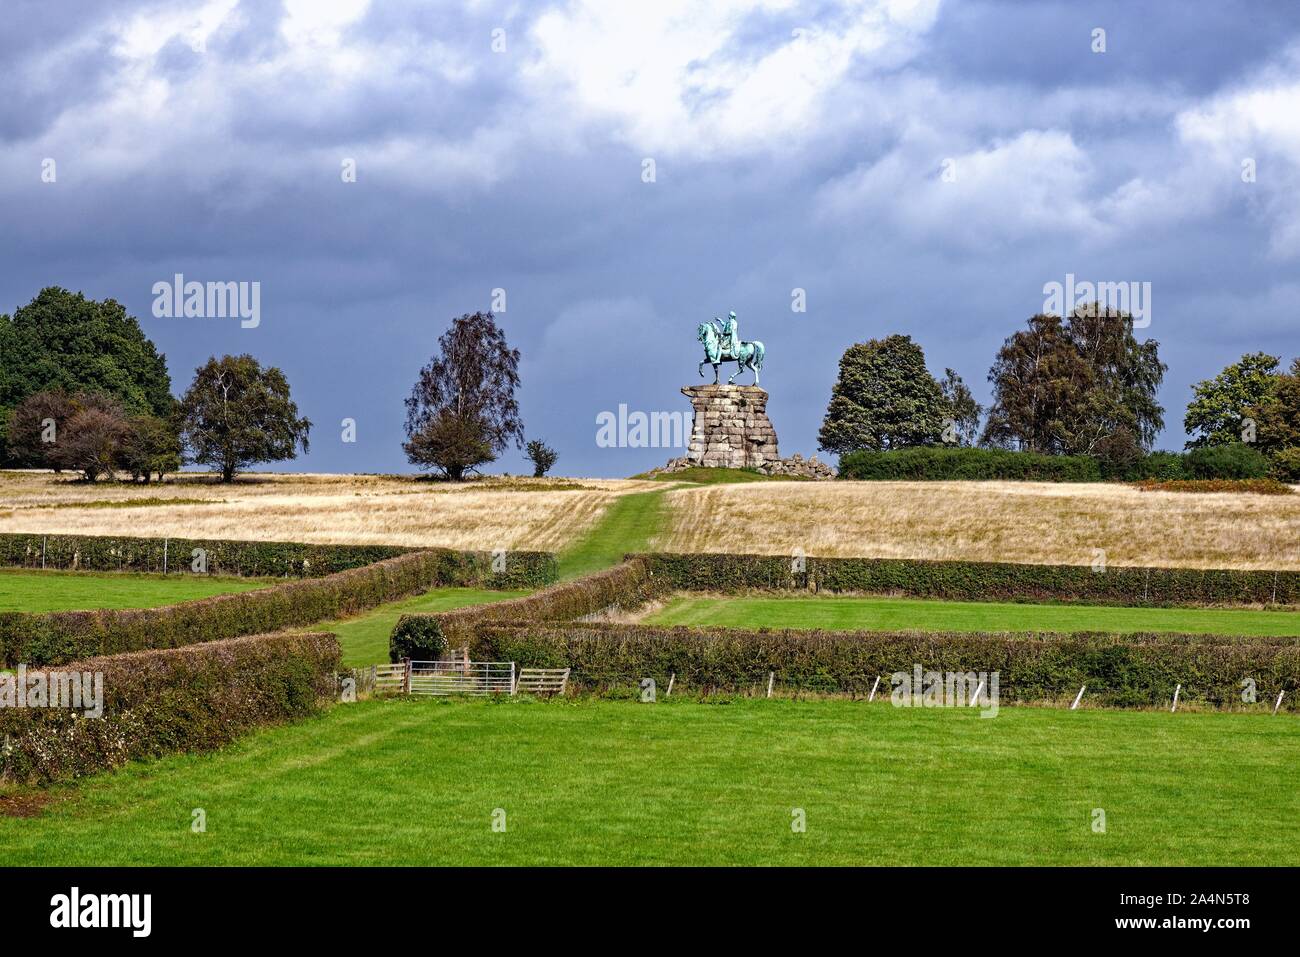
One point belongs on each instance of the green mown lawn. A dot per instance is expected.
(41, 591)
(684, 782)
(847, 613)
(365, 638)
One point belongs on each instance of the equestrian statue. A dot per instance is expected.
(722, 343)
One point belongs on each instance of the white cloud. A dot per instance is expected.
(1258, 122)
(689, 78)
(1032, 184)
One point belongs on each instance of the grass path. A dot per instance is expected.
(628, 525)
(683, 782)
(50, 590)
(850, 613)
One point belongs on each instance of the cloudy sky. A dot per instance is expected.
(917, 167)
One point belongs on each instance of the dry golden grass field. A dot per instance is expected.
(989, 521)
(992, 521)
(536, 514)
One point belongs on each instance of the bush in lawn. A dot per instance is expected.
(424, 637)
(1236, 460)
(967, 464)
(1121, 670)
(976, 581)
(183, 699)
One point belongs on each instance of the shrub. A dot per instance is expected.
(1286, 465)
(425, 637)
(1160, 466)
(976, 581)
(967, 464)
(1122, 670)
(542, 456)
(1236, 460)
(158, 702)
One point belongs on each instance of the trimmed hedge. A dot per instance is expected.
(940, 463)
(1119, 670)
(424, 637)
(159, 702)
(224, 556)
(58, 637)
(1236, 460)
(253, 559)
(976, 581)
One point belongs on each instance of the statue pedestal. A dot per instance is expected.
(731, 428)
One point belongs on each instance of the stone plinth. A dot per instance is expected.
(731, 428)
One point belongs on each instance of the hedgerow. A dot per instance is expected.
(975, 581)
(1119, 670)
(57, 637)
(425, 636)
(938, 463)
(195, 698)
(514, 569)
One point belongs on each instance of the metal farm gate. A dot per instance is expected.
(458, 676)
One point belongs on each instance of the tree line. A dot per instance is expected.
(1081, 384)
(82, 389)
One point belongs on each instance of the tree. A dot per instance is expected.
(1277, 420)
(236, 413)
(1218, 406)
(91, 442)
(150, 447)
(462, 411)
(963, 411)
(64, 341)
(1082, 386)
(884, 398)
(85, 432)
(542, 456)
(452, 443)
(34, 424)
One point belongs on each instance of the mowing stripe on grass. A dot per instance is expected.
(417, 782)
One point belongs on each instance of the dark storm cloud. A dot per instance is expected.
(478, 170)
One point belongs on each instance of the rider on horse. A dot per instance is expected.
(728, 334)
